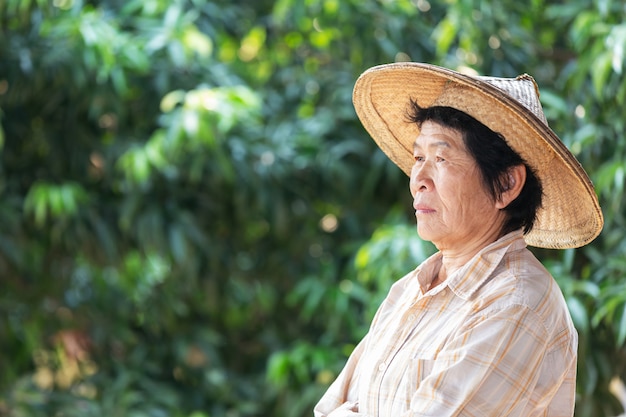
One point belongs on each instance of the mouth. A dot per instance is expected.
(423, 209)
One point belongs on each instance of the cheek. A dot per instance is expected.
(465, 197)
(477, 201)
(412, 188)
(413, 182)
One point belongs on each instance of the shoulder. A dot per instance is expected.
(526, 281)
(522, 283)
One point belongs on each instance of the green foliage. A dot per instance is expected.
(193, 223)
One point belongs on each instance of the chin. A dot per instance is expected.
(429, 236)
(424, 235)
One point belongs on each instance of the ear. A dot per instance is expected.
(514, 180)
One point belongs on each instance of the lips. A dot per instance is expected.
(422, 208)
(418, 206)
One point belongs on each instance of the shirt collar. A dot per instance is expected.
(468, 279)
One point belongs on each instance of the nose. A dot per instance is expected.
(421, 179)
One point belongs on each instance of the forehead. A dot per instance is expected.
(434, 135)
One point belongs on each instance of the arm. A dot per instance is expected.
(347, 409)
(341, 398)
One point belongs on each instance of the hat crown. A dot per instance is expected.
(522, 89)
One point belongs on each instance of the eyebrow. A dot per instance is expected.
(438, 144)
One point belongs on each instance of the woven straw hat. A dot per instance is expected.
(570, 216)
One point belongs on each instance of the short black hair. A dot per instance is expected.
(493, 156)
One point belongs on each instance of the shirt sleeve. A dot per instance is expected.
(348, 409)
(341, 398)
(489, 368)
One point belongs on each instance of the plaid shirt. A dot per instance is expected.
(495, 339)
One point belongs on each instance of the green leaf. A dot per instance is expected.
(601, 71)
(621, 328)
(444, 35)
(579, 314)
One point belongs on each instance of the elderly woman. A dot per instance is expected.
(480, 328)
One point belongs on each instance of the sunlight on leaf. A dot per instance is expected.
(251, 44)
(198, 42)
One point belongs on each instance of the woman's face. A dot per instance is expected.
(452, 206)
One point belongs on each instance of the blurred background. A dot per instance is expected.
(193, 223)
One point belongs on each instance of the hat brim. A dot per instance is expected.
(570, 215)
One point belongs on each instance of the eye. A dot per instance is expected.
(440, 159)
(418, 158)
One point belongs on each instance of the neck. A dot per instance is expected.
(454, 258)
